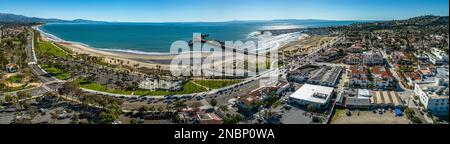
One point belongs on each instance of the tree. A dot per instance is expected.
(23, 95)
(108, 117)
(311, 108)
(142, 110)
(416, 120)
(75, 119)
(232, 119)
(179, 105)
(10, 98)
(213, 103)
(133, 121)
(409, 112)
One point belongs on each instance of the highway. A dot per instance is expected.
(49, 83)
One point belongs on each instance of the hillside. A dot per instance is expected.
(13, 18)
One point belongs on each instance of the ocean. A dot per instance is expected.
(157, 37)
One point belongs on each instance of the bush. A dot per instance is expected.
(215, 84)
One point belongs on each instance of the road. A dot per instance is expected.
(400, 87)
(49, 83)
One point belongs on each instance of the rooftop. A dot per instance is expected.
(313, 93)
(327, 74)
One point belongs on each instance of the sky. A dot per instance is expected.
(224, 10)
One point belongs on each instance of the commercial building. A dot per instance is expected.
(434, 97)
(326, 76)
(358, 99)
(160, 84)
(312, 95)
(373, 57)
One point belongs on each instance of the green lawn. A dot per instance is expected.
(44, 47)
(215, 84)
(15, 79)
(57, 73)
(188, 88)
(337, 114)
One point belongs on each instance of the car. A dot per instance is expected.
(287, 107)
(199, 98)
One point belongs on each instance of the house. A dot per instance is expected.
(435, 60)
(330, 55)
(312, 95)
(282, 87)
(421, 56)
(355, 48)
(359, 76)
(400, 58)
(11, 68)
(413, 78)
(382, 78)
(373, 57)
(440, 55)
(248, 104)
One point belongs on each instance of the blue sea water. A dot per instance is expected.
(157, 37)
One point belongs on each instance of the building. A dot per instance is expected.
(248, 104)
(209, 118)
(373, 57)
(355, 48)
(379, 77)
(326, 76)
(425, 74)
(440, 55)
(421, 56)
(160, 84)
(330, 55)
(359, 98)
(312, 95)
(400, 58)
(359, 76)
(382, 78)
(433, 97)
(435, 60)
(12, 68)
(385, 99)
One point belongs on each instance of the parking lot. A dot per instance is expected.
(295, 116)
(367, 117)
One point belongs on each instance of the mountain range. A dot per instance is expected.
(13, 18)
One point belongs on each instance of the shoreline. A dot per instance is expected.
(129, 59)
(148, 59)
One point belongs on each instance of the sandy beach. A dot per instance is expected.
(149, 60)
(130, 59)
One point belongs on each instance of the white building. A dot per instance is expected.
(315, 95)
(439, 54)
(159, 84)
(433, 97)
(360, 100)
(373, 57)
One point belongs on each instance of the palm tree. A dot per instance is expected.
(179, 105)
(213, 103)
